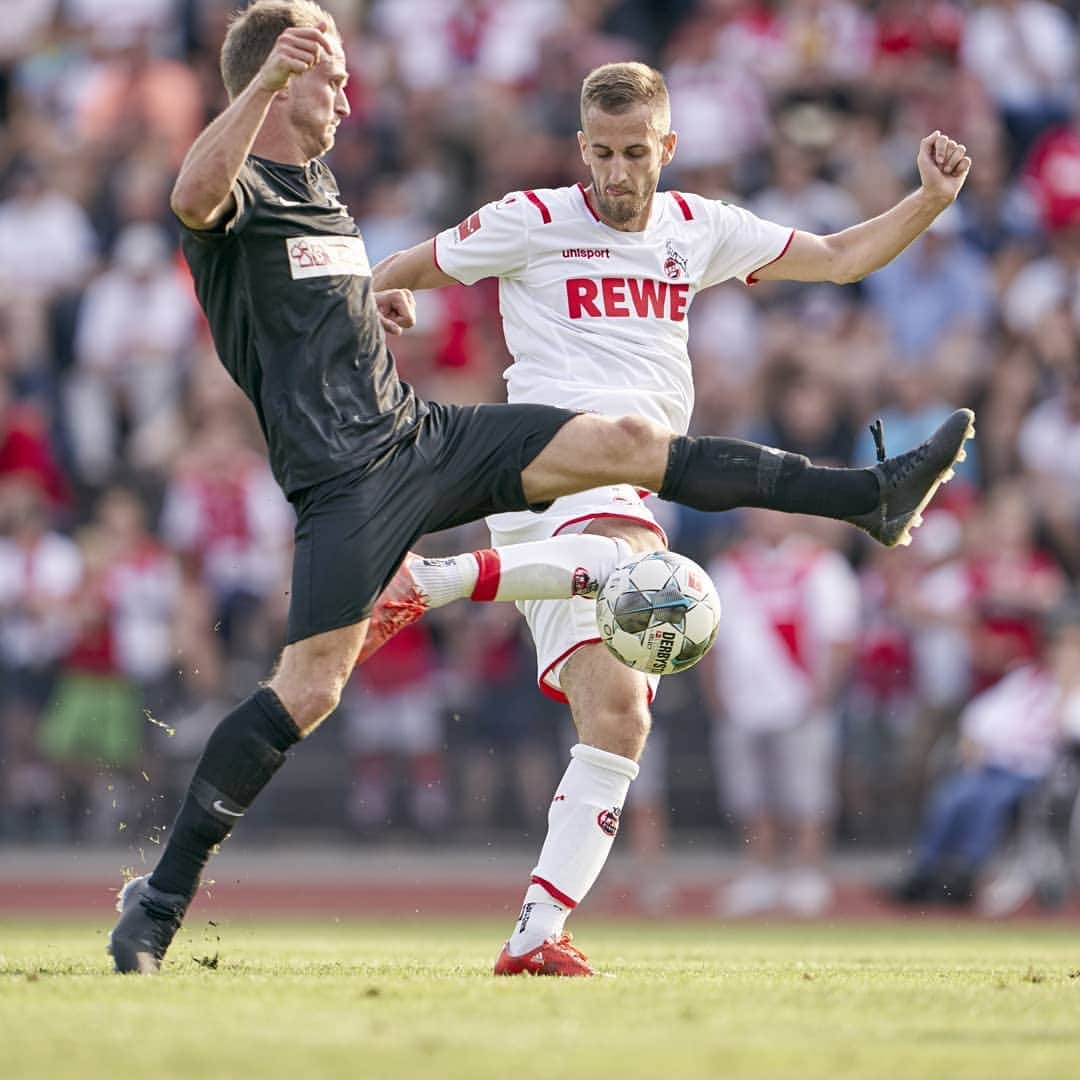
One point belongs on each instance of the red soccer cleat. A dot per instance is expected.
(555, 957)
(399, 605)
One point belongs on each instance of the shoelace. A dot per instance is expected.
(566, 942)
(400, 613)
(903, 464)
(877, 429)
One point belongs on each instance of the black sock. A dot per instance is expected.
(710, 473)
(242, 754)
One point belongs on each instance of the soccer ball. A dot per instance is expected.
(658, 613)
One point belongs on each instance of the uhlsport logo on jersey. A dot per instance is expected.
(674, 264)
(586, 253)
(608, 820)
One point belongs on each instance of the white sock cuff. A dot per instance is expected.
(603, 759)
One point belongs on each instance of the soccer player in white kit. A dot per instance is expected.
(595, 285)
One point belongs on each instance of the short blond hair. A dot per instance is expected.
(253, 31)
(614, 88)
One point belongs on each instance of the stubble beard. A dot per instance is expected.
(618, 211)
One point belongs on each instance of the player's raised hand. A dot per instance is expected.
(397, 310)
(296, 50)
(943, 166)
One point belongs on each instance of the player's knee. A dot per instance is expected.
(309, 700)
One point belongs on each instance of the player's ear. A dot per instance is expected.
(667, 147)
(583, 146)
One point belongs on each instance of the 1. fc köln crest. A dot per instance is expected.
(608, 820)
(674, 264)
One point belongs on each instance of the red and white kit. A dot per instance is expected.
(595, 320)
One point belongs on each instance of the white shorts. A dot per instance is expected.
(790, 772)
(560, 627)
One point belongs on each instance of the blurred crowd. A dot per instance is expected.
(144, 548)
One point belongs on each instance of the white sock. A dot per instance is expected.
(554, 569)
(582, 823)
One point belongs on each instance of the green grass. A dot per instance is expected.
(416, 1000)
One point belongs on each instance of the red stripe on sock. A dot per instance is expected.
(556, 893)
(487, 583)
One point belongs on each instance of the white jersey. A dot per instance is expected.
(595, 318)
(784, 608)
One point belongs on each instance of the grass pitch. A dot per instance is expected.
(416, 1000)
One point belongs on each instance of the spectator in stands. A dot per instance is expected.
(1052, 173)
(1048, 444)
(119, 627)
(711, 93)
(805, 412)
(26, 453)
(1010, 735)
(509, 738)
(881, 703)
(136, 321)
(134, 96)
(999, 215)
(1024, 52)
(1009, 390)
(791, 607)
(92, 724)
(40, 571)
(937, 291)
(47, 247)
(1012, 583)
(225, 517)
(394, 735)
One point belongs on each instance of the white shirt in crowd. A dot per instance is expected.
(50, 571)
(784, 608)
(1020, 722)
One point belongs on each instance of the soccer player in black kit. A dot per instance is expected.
(280, 270)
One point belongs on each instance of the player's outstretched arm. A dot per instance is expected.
(414, 268)
(852, 254)
(202, 194)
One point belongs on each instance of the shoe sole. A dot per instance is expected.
(132, 962)
(946, 474)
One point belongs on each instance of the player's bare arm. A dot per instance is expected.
(414, 268)
(850, 255)
(202, 194)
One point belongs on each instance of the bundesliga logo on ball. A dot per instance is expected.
(658, 613)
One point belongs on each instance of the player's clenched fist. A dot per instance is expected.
(296, 50)
(397, 309)
(943, 166)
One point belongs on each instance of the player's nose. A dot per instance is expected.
(341, 105)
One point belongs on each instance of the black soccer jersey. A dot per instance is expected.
(286, 286)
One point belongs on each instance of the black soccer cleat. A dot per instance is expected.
(908, 481)
(149, 919)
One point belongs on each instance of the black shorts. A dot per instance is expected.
(461, 463)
